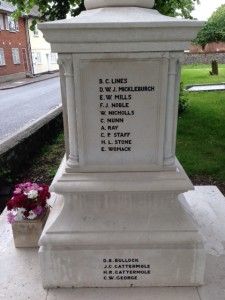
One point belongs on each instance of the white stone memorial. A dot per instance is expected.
(120, 219)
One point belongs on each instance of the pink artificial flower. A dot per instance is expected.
(10, 217)
(38, 210)
(28, 196)
(17, 190)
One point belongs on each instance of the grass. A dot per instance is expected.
(43, 166)
(195, 66)
(201, 135)
(199, 74)
(201, 130)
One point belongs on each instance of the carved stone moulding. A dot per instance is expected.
(90, 4)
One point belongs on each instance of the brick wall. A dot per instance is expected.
(9, 40)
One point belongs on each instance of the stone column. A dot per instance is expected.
(172, 97)
(67, 63)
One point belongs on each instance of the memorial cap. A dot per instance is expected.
(91, 4)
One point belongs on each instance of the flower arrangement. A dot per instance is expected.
(29, 201)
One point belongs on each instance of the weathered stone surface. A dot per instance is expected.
(90, 4)
(206, 205)
(26, 233)
(120, 220)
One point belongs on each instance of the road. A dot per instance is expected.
(22, 105)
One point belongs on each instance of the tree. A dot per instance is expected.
(213, 30)
(57, 9)
(175, 8)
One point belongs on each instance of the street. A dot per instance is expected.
(22, 105)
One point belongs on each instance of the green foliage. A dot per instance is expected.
(214, 29)
(176, 7)
(5, 174)
(183, 100)
(48, 9)
(57, 9)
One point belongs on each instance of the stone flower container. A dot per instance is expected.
(26, 233)
(28, 212)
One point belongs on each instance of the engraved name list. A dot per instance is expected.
(116, 108)
(125, 269)
(121, 113)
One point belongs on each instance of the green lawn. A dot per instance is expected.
(199, 74)
(194, 66)
(201, 130)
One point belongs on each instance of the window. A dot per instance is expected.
(10, 24)
(16, 56)
(54, 57)
(1, 22)
(36, 58)
(17, 25)
(2, 57)
(36, 31)
(7, 22)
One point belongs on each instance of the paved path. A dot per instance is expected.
(26, 81)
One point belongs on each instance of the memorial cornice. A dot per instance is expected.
(124, 28)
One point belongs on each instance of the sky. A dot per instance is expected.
(206, 8)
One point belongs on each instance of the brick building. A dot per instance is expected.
(14, 54)
(209, 48)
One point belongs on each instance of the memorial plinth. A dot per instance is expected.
(119, 220)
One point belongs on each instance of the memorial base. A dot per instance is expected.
(69, 268)
(121, 230)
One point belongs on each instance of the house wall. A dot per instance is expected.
(18, 40)
(209, 48)
(42, 57)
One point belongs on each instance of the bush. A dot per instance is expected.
(183, 100)
(5, 175)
